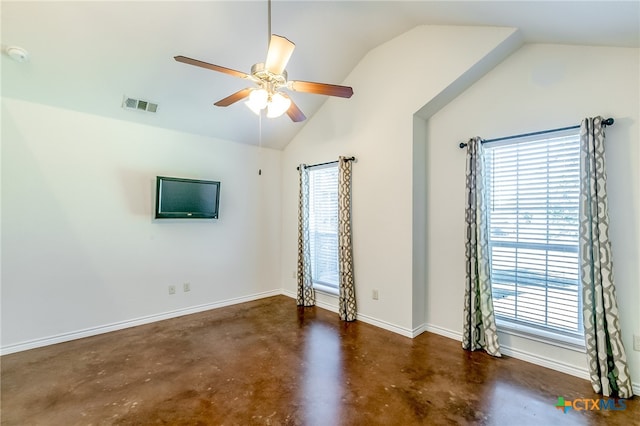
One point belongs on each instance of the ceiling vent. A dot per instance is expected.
(139, 104)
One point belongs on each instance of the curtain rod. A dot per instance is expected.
(328, 162)
(607, 122)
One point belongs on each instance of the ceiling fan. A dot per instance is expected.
(270, 78)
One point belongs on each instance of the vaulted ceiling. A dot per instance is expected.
(89, 55)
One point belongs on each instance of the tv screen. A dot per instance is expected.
(178, 198)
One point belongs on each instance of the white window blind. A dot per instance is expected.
(533, 193)
(323, 225)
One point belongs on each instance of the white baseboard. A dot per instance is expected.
(542, 361)
(93, 331)
(443, 332)
(552, 364)
(360, 317)
(519, 354)
(406, 332)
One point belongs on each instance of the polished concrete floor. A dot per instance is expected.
(270, 363)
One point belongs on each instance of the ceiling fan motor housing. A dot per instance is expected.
(263, 75)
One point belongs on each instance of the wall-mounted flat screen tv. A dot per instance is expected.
(178, 198)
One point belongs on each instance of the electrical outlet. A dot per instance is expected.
(636, 342)
(172, 289)
(374, 294)
(186, 287)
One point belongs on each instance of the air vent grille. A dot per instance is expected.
(139, 104)
(130, 103)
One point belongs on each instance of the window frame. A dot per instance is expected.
(320, 285)
(518, 326)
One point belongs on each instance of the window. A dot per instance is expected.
(533, 191)
(323, 226)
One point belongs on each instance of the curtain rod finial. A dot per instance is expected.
(608, 122)
(462, 145)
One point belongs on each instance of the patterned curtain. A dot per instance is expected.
(605, 353)
(479, 325)
(347, 300)
(306, 295)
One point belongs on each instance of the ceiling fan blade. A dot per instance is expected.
(294, 113)
(232, 99)
(321, 88)
(280, 50)
(209, 66)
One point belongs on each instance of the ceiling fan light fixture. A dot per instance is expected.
(279, 105)
(252, 107)
(258, 99)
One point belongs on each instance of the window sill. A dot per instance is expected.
(566, 342)
(326, 289)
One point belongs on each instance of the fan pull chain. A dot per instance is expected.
(259, 142)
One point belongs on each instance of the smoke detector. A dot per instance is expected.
(18, 54)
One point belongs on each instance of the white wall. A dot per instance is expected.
(538, 87)
(80, 249)
(376, 126)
